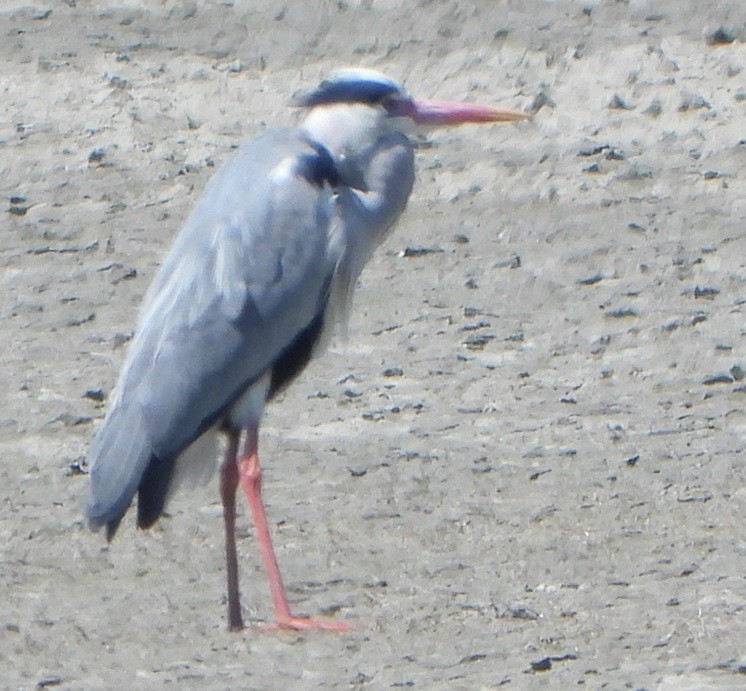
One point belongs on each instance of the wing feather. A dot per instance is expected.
(249, 272)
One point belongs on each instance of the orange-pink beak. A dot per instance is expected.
(451, 112)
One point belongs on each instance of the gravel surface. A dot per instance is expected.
(524, 467)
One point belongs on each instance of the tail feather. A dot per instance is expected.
(153, 491)
(118, 459)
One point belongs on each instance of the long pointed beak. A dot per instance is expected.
(454, 112)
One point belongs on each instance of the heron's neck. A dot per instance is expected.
(348, 131)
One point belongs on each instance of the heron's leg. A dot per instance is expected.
(251, 479)
(228, 484)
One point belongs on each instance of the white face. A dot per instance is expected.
(350, 132)
(346, 129)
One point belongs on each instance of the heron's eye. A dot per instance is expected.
(395, 106)
(387, 102)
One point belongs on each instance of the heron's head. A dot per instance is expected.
(353, 107)
(377, 91)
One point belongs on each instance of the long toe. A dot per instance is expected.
(309, 624)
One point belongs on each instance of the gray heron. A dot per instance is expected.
(264, 264)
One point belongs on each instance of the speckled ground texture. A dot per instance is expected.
(524, 467)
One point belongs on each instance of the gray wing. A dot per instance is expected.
(249, 271)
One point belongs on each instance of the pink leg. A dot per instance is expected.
(228, 484)
(250, 473)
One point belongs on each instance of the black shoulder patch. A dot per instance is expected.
(317, 166)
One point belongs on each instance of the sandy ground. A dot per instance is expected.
(525, 467)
